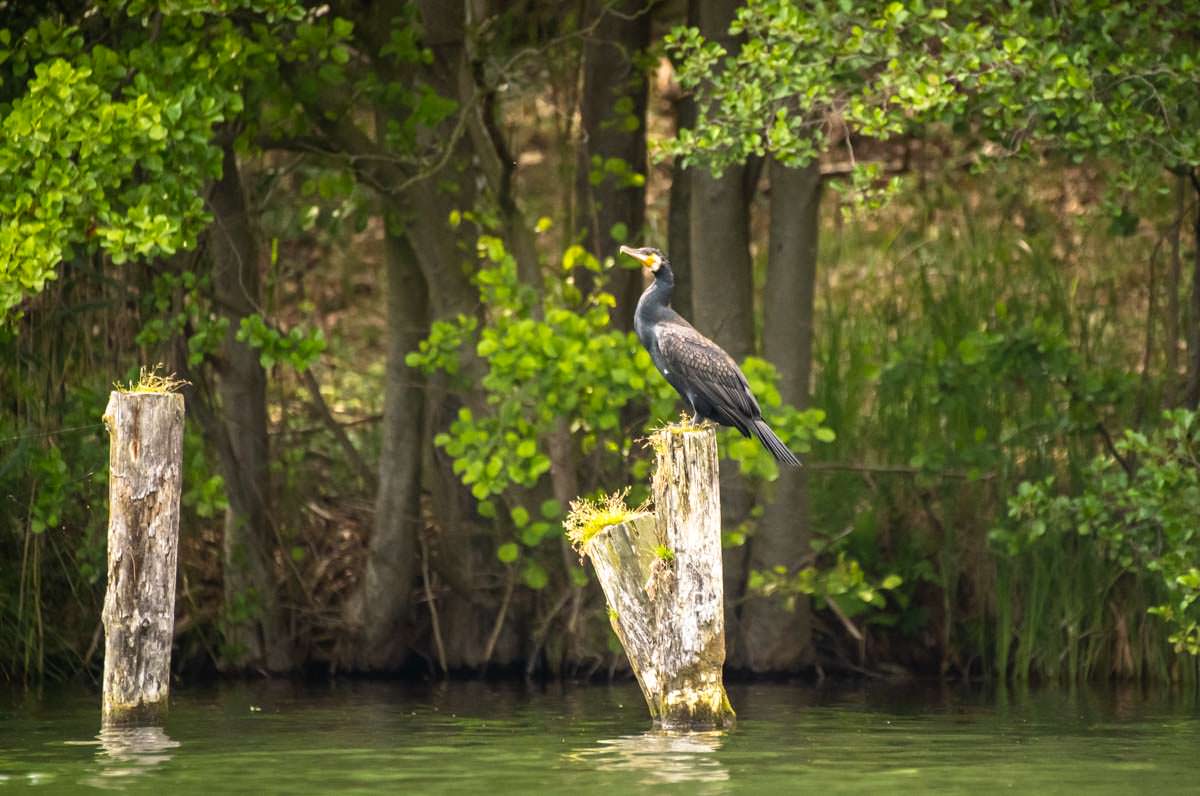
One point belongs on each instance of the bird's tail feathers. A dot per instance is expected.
(773, 443)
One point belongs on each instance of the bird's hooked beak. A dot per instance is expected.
(647, 257)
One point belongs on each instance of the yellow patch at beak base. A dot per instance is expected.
(649, 260)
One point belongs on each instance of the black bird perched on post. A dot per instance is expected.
(699, 370)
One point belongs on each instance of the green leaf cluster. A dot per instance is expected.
(298, 347)
(567, 363)
(1085, 77)
(175, 306)
(795, 427)
(844, 581)
(107, 128)
(1139, 509)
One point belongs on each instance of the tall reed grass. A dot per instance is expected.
(978, 335)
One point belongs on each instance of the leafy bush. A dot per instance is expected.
(1139, 508)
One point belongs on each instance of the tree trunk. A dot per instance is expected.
(1174, 279)
(679, 243)
(145, 466)
(420, 212)
(722, 292)
(662, 578)
(612, 81)
(446, 255)
(257, 636)
(381, 608)
(1192, 393)
(778, 640)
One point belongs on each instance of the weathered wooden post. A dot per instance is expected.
(145, 463)
(661, 573)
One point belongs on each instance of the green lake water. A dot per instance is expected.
(469, 737)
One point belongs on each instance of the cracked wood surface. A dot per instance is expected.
(145, 480)
(662, 577)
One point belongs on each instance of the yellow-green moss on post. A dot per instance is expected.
(661, 574)
(145, 481)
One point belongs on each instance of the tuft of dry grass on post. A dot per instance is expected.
(588, 517)
(151, 381)
(683, 426)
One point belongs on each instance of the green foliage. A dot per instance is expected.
(203, 490)
(82, 168)
(298, 348)
(798, 428)
(107, 147)
(960, 358)
(1139, 509)
(49, 471)
(844, 582)
(52, 536)
(1083, 77)
(177, 306)
(615, 169)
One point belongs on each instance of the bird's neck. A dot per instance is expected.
(653, 308)
(658, 295)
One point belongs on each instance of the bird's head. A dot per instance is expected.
(648, 256)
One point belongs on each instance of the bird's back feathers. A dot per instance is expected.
(707, 369)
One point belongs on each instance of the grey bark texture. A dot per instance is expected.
(777, 640)
(723, 290)
(679, 214)
(418, 204)
(261, 641)
(679, 218)
(145, 463)
(661, 575)
(381, 608)
(1192, 391)
(609, 75)
(446, 257)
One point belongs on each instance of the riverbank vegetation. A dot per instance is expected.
(955, 248)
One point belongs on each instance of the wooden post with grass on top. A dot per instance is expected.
(145, 476)
(661, 574)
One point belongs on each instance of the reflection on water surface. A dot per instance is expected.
(471, 737)
(661, 756)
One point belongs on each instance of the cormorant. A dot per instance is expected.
(699, 370)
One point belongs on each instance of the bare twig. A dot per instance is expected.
(338, 430)
(845, 620)
(539, 636)
(433, 614)
(500, 617)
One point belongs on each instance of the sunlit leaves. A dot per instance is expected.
(1109, 78)
(843, 581)
(299, 348)
(795, 427)
(70, 155)
(107, 147)
(508, 552)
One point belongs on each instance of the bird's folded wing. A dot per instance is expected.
(707, 369)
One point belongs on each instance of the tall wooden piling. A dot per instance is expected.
(145, 474)
(661, 574)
